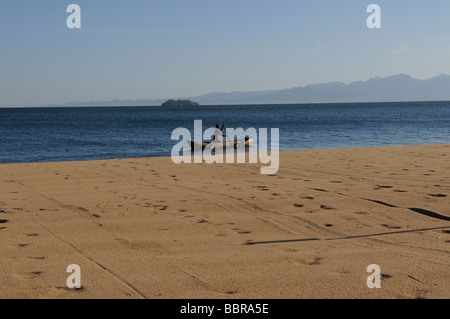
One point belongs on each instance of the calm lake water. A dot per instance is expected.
(68, 134)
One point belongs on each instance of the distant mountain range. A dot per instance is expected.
(396, 88)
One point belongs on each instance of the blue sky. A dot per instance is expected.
(140, 49)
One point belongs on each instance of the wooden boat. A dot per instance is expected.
(246, 142)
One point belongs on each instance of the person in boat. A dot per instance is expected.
(218, 133)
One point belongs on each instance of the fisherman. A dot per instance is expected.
(218, 132)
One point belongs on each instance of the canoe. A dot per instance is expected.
(246, 142)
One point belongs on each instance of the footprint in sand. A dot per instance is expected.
(390, 227)
(28, 275)
(320, 190)
(383, 187)
(438, 195)
(18, 246)
(298, 205)
(326, 207)
(316, 261)
(379, 202)
(430, 213)
(241, 232)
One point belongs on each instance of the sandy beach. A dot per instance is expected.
(148, 228)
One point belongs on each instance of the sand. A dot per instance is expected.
(148, 228)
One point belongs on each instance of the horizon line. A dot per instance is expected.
(56, 105)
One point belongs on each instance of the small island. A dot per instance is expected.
(179, 103)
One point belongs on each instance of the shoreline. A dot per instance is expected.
(149, 228)
(168, 156)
